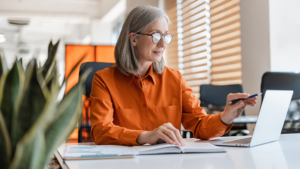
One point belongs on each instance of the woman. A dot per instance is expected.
(140, 100)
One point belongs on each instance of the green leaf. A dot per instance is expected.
(32, 154)
(20, 61)
(3, 65)
(10, 92)
(50, 46)
(38, 154)
(52, 50)
(2, 83)
(40, 124)
(68, 112)
(5, 145)
(29, 106)
(53, 84)
(61, 127)
(10, 87)
(50, 75)
(32, 144)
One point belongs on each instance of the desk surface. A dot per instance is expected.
(281, 154)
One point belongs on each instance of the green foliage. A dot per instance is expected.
(32, 122)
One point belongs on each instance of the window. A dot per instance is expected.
(208, 45)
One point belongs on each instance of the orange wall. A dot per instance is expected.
(93, 54)
(105, 54)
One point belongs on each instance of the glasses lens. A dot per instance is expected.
(156, 37)
(168, 39)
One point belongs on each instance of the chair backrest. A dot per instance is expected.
(96, 66)
(285, 81)
(214, 96)
(217, 94)
(281, 81)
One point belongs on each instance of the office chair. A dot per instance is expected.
(86, 125)
(213, 100)
(285, 81)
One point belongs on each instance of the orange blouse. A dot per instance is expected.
(124, 106)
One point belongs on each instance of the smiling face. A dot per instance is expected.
(145, 49)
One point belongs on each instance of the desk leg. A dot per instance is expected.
(80, 134)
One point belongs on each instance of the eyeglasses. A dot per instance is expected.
(156, 37)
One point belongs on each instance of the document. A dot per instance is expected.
(106, 151)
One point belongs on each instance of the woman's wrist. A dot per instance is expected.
(141, 139)
(226, 120)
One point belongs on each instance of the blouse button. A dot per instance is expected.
(144, 83)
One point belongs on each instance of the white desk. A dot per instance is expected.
(283, 154)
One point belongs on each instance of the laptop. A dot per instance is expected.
(270, 120)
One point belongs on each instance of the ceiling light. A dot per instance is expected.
(18, 21)
(2, 38)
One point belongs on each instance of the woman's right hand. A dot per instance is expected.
(164, 133)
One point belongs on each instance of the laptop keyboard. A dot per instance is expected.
(240, 141)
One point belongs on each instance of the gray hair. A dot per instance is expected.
(137, 20)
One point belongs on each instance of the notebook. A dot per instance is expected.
(115, 151)
(171, 149)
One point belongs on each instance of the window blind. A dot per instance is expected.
(171, 52)
(194, 51)
(209, 42)
(225, 42)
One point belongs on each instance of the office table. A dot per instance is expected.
(281, 154)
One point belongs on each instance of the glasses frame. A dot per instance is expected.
(161, 35)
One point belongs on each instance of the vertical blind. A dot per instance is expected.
(208, 34)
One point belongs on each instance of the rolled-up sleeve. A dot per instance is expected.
(195, 118)
(103, 130)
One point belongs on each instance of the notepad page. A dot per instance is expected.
(158, 149)
(201, 148)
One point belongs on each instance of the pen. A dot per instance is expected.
(234, 101)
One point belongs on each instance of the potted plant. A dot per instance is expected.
(32, 122)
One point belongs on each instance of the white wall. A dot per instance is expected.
(101, 32)
(270, 41)
(134, 3)
(255, 45)
(284, 35)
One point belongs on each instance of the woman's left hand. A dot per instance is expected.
(233, 111)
